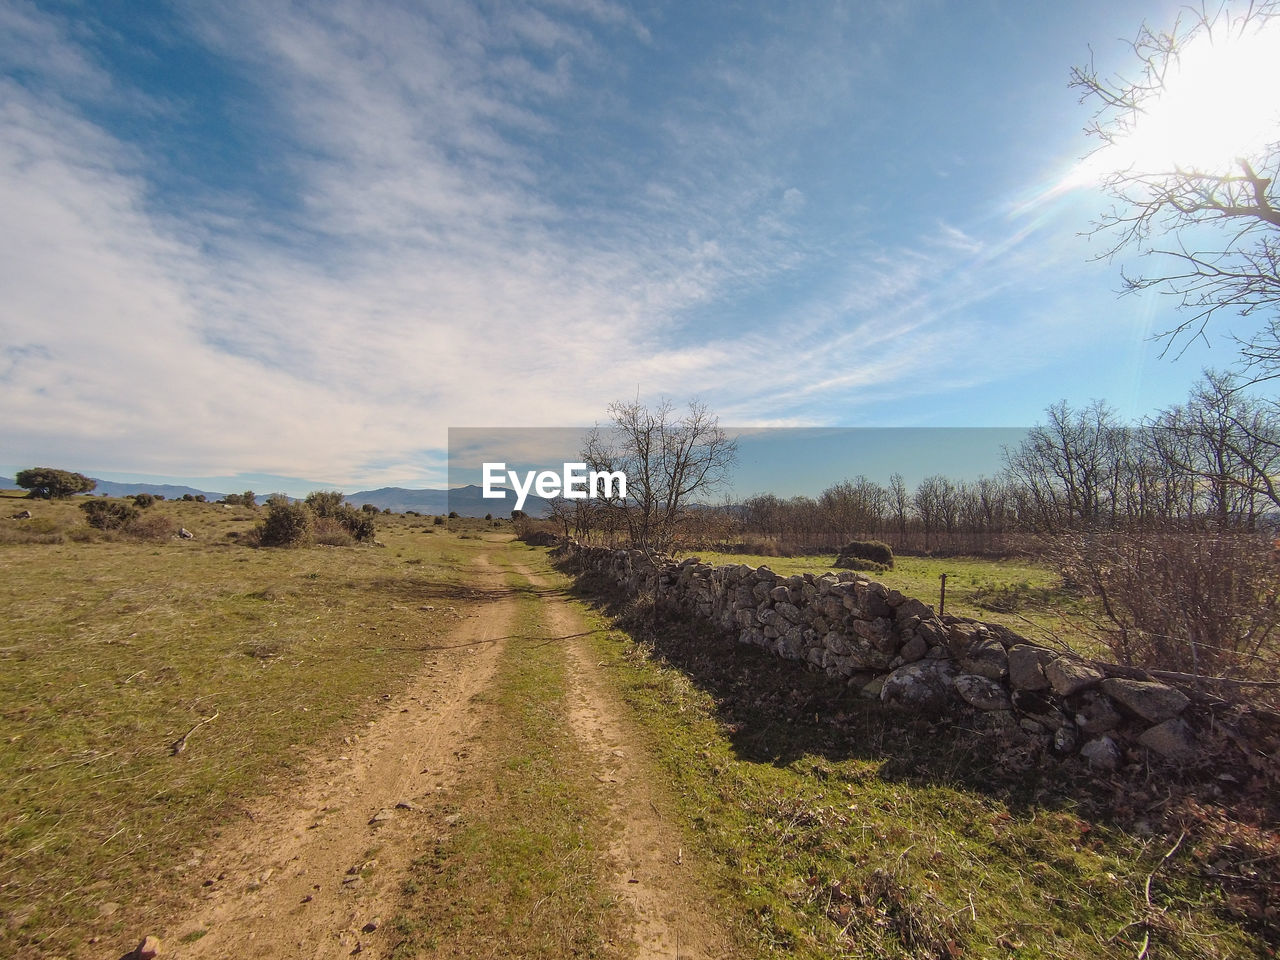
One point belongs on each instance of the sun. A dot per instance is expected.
(1219, 103)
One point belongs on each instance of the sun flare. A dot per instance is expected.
(1220, 102)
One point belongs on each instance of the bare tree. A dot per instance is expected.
(899, 507)
(669, 460)
(1071, 467)
(1211, 235)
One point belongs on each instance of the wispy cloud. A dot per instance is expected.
(463, 238)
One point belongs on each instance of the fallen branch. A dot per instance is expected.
(181, 743)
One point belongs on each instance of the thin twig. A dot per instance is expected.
(181, 743)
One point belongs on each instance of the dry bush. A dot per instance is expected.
(330, 532)
(152, 527)
(1180, 597)
(285, 525)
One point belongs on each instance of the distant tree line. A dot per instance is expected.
(1211, 461)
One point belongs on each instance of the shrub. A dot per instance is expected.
(438, 521)
(358, 524)
(329, 532)
(143, 500)
(453, 515)
(152, 526)
(246, 499)
(368, 508)
(873, 551)
(325, 503)
(866, 566)
(46, 483)
(110, 514)
(286, 524)
(1173, 597)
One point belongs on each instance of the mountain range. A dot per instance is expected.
(465, 501)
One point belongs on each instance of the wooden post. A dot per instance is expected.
(942, 600)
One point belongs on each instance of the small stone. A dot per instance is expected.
(1064, 738)
(407, 805)
(148, 949)
(1101, 753)
(372, 925)
(1172, 738)
(185, 534)
(1068, 676)
(108, 909)
(382, 816)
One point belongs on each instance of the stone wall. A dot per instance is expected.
(897, 650)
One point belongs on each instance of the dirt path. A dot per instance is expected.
(652, 873)
(311, 874)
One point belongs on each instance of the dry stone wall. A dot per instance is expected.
(895, 649)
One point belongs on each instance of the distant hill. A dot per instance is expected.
(167, 490)
(112, 489)
(466, 501)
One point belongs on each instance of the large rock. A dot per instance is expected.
(914, 649)
(1040, 707)
(1026, 667)
(986, 658)
(982, 692)
(911, 607)
(1172, 738)
(923, 687)
(1096, 713)
(1067, 675)
(1153, 702)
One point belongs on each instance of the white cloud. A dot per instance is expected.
(436, 269)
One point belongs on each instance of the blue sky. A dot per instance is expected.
(285, 244)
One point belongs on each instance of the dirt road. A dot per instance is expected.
(318, 873)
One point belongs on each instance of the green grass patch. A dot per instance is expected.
(836, 829)
(520, 871)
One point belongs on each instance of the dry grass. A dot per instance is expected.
(112, 649)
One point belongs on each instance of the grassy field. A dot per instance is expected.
(824, 827)
(1026, 597)
(838, 830)
(111, 650)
